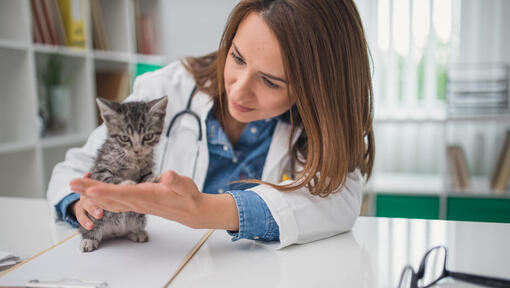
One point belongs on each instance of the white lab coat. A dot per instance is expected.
(301, 217)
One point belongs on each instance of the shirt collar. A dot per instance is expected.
(216, 134)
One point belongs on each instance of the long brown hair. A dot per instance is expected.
(326, 63)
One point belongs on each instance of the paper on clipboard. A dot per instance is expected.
(119, 262)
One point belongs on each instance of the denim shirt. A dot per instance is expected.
(226, 164)
(244, 161)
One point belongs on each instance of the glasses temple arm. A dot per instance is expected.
(481, 280)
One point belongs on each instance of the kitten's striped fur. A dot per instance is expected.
(126, 157)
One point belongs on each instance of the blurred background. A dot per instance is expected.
(440, 77)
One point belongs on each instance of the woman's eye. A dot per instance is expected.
(148, 137)
(238, 59)
(270, 84)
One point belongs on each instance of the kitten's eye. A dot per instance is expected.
(123, 138)
(148, 137)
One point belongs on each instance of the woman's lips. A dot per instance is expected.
(241, 108)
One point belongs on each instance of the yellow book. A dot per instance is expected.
(74, 22)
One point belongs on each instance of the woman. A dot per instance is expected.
(286, 99)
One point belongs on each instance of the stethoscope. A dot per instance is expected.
(188, 111)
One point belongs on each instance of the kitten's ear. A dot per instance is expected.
(158, 106)
(107, 108)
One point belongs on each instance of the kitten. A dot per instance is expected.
(126, 157)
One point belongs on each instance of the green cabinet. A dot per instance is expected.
(407, 206)
(460, 208)
(478, 209)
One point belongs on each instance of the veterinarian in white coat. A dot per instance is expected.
(301, 216)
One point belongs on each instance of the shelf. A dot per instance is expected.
(406, 118)
(401, 183)
(116, 24)
(482, 117)
(75, 103)
(428, 185)
(151, 59)
(13, 44)
(479, 188)
(27, 159)
(60, 50)
(6, 148)
(112, 56)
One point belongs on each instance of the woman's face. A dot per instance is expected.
(254, 76)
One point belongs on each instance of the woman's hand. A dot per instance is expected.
(176, 198)
(85, 205)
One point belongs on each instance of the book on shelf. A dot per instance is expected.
(138, 14)
(147, 35)
(477, 88)
(49, 21)
(47, 24)
(111, 85)
(458, 167)
(35, 30)
(74, 22)
(40, 24)
(501, 172)
(144, 28)
(58, 24)
(98, 27)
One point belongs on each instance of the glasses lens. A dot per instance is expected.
(406, 278)
(433, 266)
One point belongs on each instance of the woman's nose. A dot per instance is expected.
(243, 85)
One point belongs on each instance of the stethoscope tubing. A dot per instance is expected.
(186, 111)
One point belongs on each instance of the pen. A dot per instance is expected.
(66, 283)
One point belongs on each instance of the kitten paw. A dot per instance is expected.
(89, 245)
(139, 236)
(127, 182)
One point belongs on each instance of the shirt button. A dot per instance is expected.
(253, 130)
(234, 159)
(256, 237)
(220, 191)
(225, 147)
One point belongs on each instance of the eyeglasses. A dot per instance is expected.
(433, 268)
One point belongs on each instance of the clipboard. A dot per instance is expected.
(171, 246)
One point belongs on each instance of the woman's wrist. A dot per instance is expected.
(218, 211)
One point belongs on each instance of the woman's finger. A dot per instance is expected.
(93, 188)
(93, 209)
(82, 218)
(112, 206)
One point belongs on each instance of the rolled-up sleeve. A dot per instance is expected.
(255, 220)
(63, 205)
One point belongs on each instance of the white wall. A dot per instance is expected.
(193, 28)
(484, 31)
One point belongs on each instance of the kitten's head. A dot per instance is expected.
(134, 126)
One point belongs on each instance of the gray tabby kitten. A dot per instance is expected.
(134, 129)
